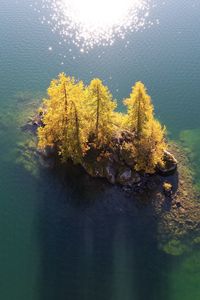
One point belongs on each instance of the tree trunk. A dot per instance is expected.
(77, 130)
(138, 129)
(98, 109)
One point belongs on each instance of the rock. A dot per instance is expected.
(89, 170)
(125, 176)
(33, 123)
(123, 136)
(189, 222)
(170, 166)
(29, 127)
(178, 204)
(129, 161)
(48, 152)
(110, 174)
(37, 121)
(185, 193)
(98, 172)
(127, 136)
(136, 178)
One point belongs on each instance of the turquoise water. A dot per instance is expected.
(65, 237)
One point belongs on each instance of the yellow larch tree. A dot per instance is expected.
(100, 111)
(150, 148)
(149, 135)
(76, 117)
(140, 109)
(64, 126)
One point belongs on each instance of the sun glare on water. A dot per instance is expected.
(101, 14)
(87, 23)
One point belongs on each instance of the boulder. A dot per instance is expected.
(98, 171)
(123, 136)
(170, 164)
(125, 176)
(127, 136)
(37, 119)
(110, 174)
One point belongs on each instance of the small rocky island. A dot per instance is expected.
(78, 132)
(80, 123)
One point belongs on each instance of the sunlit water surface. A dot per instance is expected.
(89, 23)
(67, 237)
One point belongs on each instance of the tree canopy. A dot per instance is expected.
(100, 108)
(149, 134)
(77, 118)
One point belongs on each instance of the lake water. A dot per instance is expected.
(67, 237)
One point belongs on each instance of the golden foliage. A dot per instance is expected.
(64, 123)
(76, 116)
(100, 109)
(140, 109)
(149, 142)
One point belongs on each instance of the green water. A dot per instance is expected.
(67, 237)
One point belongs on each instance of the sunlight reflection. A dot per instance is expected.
(87, 23)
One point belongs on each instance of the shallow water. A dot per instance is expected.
(66, 238)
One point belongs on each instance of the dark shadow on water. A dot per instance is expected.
(174, 180)
(96, 243)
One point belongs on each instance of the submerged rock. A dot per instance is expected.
(175, 248)
(37, 121)
(33, 124)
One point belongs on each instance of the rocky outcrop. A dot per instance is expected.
(33, 123)
(110, 173)
(170, 164)
(117, 166)
(37, 121)
(124, 176)
(128, 177)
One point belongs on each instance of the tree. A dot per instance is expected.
(149, 135)
(140, 109)
(150, 148)
(77, 118)
(63, 120)
(100, 109)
